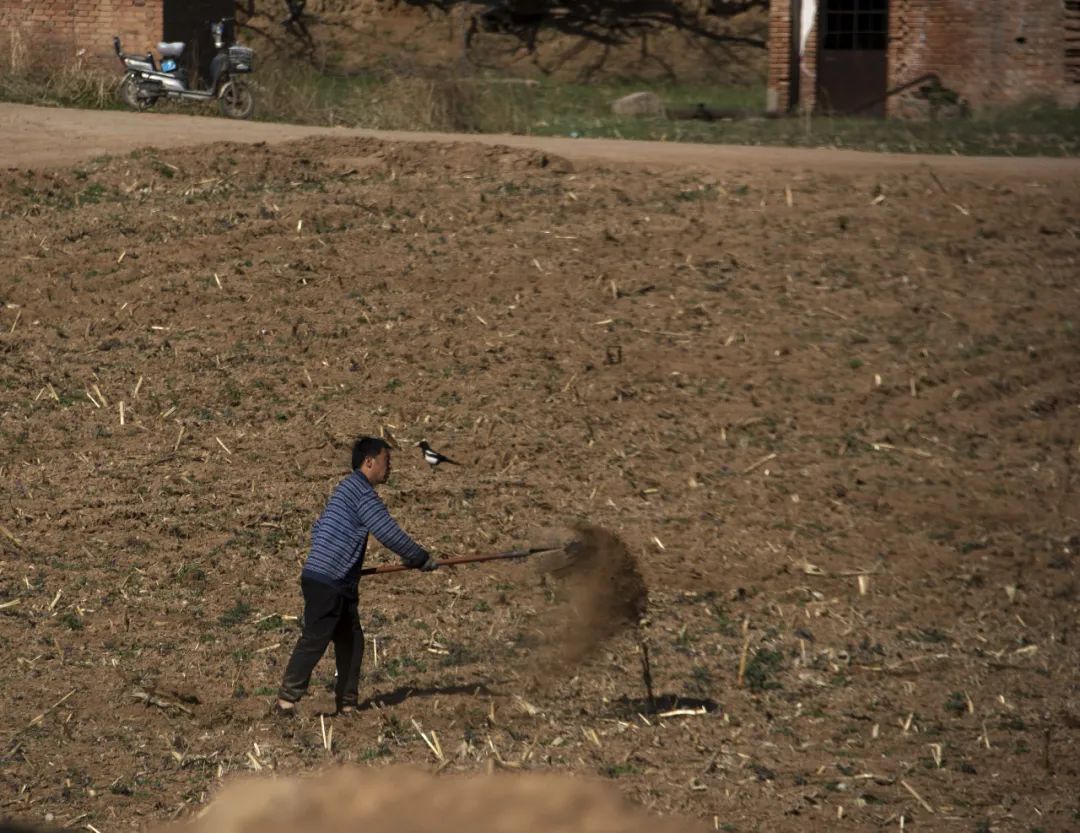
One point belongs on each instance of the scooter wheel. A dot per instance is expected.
(128, 93)
(237, 99)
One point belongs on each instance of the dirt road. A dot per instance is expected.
(36, 136)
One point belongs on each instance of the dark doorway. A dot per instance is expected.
(851, 67)
(189, 21)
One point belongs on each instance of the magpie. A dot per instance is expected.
(433, 457)
(296, 11)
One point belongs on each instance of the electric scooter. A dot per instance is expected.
(145, 83)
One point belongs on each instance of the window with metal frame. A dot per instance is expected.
(855, 24)
(1072, 41)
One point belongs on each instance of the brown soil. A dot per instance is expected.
(829, 406)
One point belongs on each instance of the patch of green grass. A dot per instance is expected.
(458, 655)
(373, 752)
(71, 621)
(165, 170)
(391, 668)
(192, 573)
(724, 624)
(956, 703)
(700, 679)
(931, 635)
(698, 193)
(377, 620)
(235, 614)
(92, 193)
(760, 670)
(618, 770)
(684, 640)
(271, 623)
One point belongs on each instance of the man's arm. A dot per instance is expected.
(375, 516)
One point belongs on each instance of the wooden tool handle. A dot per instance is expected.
(449, 562)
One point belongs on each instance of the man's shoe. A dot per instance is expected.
(279, 709)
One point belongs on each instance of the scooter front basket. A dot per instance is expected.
(241, 59)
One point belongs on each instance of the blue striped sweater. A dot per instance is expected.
(339, 537)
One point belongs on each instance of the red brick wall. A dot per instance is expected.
(779, 88)
(990, 52)
(778, 91)
(39, 31)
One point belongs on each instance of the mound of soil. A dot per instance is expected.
(403, 800)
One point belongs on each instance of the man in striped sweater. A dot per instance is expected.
(331, 574)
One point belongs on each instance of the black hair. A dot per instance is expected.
(365, 448)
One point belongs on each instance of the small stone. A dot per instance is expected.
(638, 104)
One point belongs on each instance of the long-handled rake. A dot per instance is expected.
(464, 559)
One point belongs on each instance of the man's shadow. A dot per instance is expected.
(400, 695)
(628, 707)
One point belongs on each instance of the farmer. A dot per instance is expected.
(332, 572)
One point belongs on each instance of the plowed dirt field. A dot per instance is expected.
(829, 404)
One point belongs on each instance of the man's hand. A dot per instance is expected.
(429, 565)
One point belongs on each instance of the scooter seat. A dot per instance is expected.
(171, 50)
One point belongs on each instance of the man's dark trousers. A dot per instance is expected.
(329, 615)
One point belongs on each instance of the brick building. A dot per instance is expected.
(38, 31)
(846, 56)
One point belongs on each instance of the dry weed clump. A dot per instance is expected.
(404, 98)
(16, 58)
(404, 101)
(36, 74)
(449, 104)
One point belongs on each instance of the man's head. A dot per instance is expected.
(371, 457)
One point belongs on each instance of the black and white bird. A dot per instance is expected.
(433, 457)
